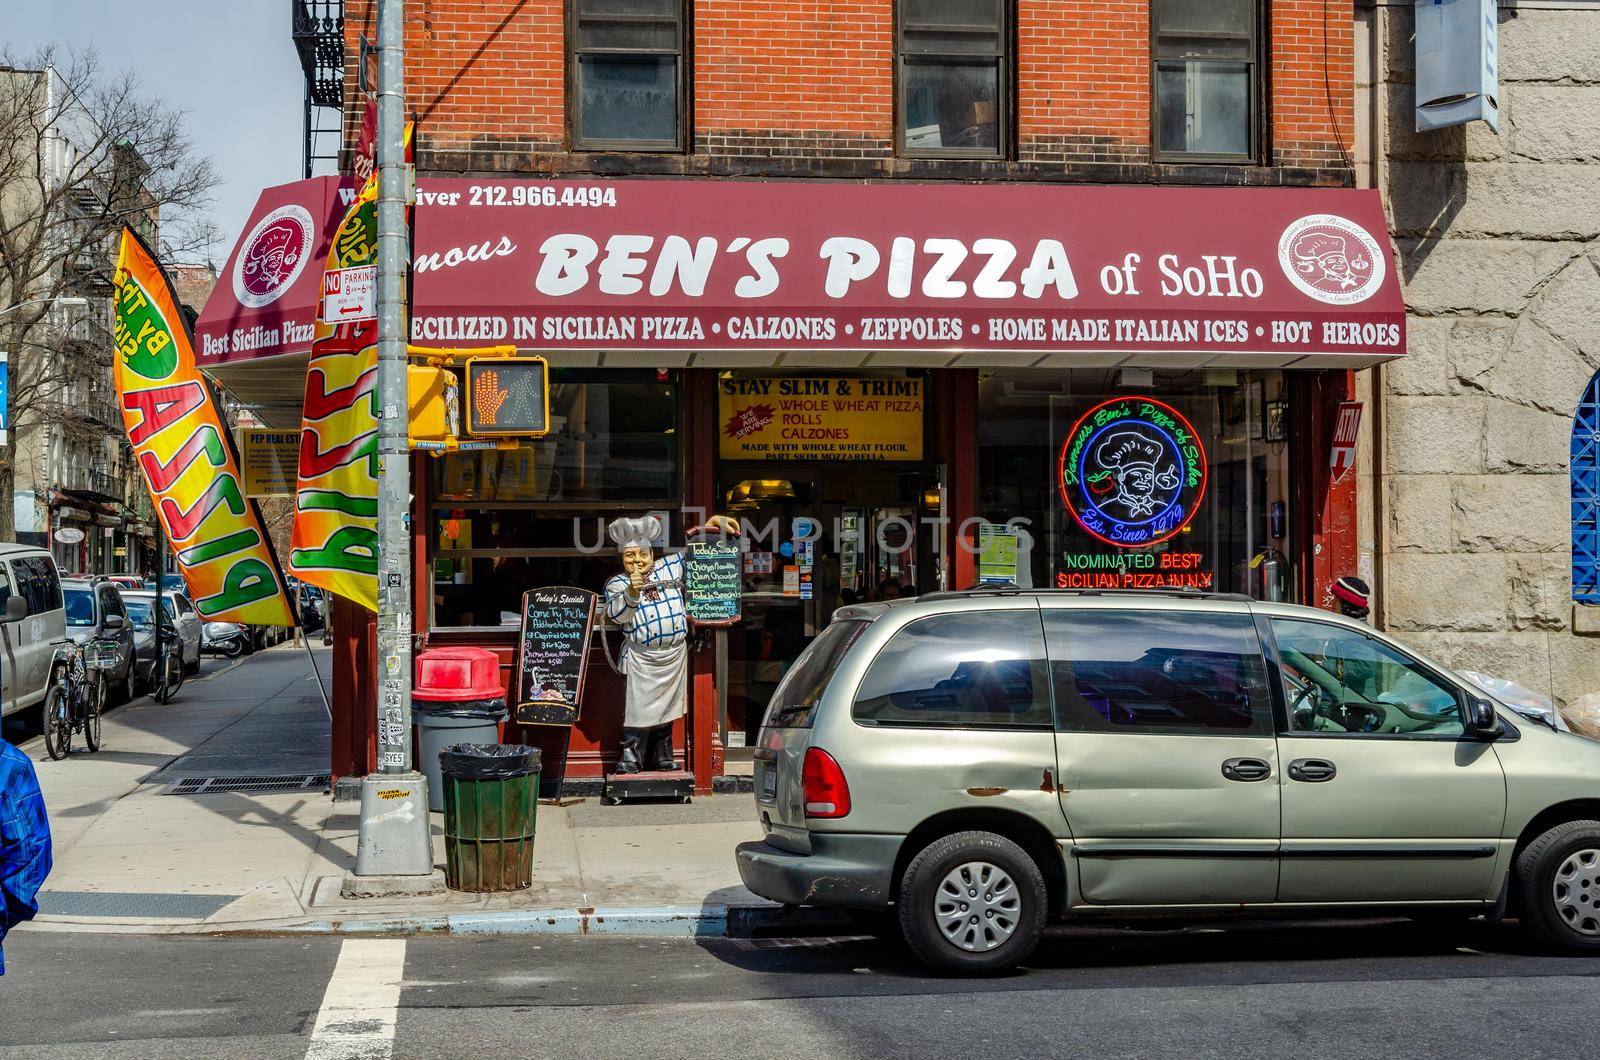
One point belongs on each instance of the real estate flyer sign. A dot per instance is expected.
(186, 454)
(820, 418)
(269, 460)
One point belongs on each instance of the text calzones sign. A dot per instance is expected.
(820, 418)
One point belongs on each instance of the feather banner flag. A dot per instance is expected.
(335, 542)
(186, 453)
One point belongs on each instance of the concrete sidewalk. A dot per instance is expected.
(133, 855)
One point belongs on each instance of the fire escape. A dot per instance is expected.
(318, 33)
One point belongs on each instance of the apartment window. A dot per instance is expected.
(1206, 79)
(627, 72)
(954, 75)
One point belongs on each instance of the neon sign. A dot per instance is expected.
(1134, 570)
(1132, 472)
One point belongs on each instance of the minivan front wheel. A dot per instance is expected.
(972, 902)
(1558, 877)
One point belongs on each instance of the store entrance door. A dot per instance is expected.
(818, 537)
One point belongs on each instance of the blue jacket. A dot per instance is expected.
(24, 841)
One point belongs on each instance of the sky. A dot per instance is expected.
(229, 64)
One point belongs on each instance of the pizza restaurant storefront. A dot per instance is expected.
(895, 388)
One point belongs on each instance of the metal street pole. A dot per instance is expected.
(394, 840)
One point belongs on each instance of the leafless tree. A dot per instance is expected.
(83, 151)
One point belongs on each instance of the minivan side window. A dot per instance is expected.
(1338, 680)
(794, 701)
(971, 669)
(36, 580)
(1174, 672)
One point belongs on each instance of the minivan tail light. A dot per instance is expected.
(823, 785)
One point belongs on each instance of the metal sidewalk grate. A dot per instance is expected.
(126, 904)
(317, 782)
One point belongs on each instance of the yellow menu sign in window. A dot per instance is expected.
(820, 418)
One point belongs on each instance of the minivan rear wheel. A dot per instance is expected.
(972, 902)
(1558, 882)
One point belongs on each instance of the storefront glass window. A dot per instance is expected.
(503, 522)
(1183, 482)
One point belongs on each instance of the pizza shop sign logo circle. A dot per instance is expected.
(1331, 259)
(272, 256)
(1132, 472)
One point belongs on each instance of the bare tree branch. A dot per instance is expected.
(83, 152)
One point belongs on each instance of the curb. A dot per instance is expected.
(710, 921)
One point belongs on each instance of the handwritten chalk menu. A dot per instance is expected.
(556, 623)
(711, 576)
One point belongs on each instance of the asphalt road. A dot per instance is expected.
(1374, 988)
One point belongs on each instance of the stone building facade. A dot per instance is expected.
(1467, 517)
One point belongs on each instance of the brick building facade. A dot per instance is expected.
(974, 146)
(808, 89)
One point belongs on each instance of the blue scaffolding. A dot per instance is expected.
(1586, 496)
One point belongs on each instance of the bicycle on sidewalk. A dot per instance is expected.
(166, 679)
(77, 691)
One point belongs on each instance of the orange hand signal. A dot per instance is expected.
(489, 396)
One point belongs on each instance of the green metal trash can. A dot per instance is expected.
(491, 801)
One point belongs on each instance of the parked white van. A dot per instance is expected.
(32, 629)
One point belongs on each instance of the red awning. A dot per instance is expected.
(731, 273)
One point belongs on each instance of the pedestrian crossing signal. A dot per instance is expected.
(508, 397)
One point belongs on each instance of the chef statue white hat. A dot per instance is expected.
(640, 532)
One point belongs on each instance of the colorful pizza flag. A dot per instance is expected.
(335, 541)
(186, 452)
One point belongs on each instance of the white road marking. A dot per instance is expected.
(357, 1018)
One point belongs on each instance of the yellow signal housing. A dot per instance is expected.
(435, 404)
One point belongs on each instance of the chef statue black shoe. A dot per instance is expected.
(646, 603)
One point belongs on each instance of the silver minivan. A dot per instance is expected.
(31, 631)
(962, 767)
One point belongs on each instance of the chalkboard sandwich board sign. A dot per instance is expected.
(556, 623)
(711, 578)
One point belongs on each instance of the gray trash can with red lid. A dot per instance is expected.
(455, 698)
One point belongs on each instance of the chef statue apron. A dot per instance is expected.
(646, 602)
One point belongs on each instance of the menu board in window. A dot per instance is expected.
(711, 576)
(556, 623)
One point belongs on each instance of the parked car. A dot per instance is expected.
(33, 629)
(965, 766)
(95, 612)
(180, 611)
(127, 581)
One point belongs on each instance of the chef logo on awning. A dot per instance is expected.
(1331, 259)
(1132, 471)
(272, 256)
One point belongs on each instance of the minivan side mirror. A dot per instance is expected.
(113, 623)
(1483, 721)
(16, 609)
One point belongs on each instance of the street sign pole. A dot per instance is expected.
(394, 844)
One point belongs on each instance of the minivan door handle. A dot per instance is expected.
(1312, 770)
(1246, 770)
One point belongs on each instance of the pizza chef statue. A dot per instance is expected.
(646, 602)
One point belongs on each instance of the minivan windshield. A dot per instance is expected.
(794, 704)
(80, 607)
(138, 612)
